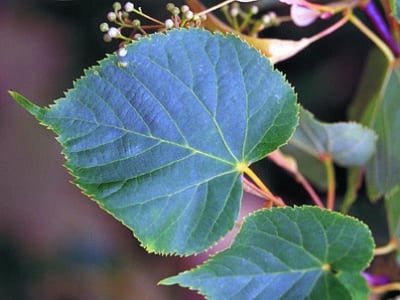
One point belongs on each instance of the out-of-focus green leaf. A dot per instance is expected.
(392, 202)
(383, 171)
(349, 144)
(395, 7)
(157, 137)
(288, 253)
(377, 106)
(368, 92)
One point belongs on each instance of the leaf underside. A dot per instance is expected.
(348, 144)
(288, 253)
(155, 137)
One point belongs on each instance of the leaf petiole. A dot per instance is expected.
(330, 173)
(380, 289)
(289, 164)
(243, 167)
(388, 248)
(372, 36)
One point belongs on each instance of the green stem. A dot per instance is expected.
(390, 247)
(330, 173)
(372, 36)
(142, 14)
(215, 7)
(380, 289)
(245, 22)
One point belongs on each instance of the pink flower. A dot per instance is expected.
(301, 12)
(303, 16)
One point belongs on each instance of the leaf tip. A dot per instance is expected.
(25, 103)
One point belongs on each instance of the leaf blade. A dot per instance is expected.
(155, 137)
(349, 144)
(287, 253)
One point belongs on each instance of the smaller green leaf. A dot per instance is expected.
(288, 253)
(349, 144)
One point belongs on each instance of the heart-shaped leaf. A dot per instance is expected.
(288, 253)
(160, 136)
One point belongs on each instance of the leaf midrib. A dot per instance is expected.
(158, 139)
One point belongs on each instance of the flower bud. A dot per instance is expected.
(113, 32)
(169, 23)
(129, 7)
(111, 16)
(104, 27)
(117, 6)
(254, 9)
(303, 16)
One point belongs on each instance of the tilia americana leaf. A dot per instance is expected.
(159, 137)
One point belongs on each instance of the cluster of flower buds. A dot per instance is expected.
(128, 28)
(119, 17)
(182, 17)
(248, 21)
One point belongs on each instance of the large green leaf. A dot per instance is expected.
(288, 253)
(160, 136)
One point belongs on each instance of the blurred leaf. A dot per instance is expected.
(349, 144)
(392, 202)
(157, 140)
(377, 105)
(368, 92)
(288, 253)
(395, 7)
(362, 110)
(383, 171)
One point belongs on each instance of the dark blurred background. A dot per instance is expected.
(55, 243)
